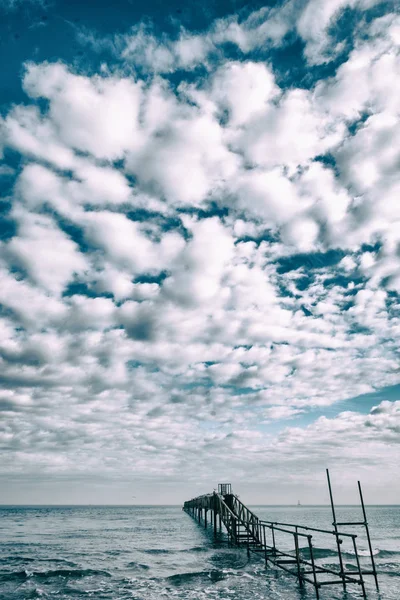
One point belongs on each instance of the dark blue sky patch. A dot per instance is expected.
(6, 312)
(18, 271)
(305, 310)
(7, 180)
(304, 282)
(371, 247)
(346, 306)
(358, 329)
(82, 289)
(8, 227)
(393, 302)
(312, 260)
(74, 232)
(268, 235)
(49, 31)
(12, 162)
(358, 123)
(142, 215)
(151, 277)
(328, 160)
(343, 281)
(290, 66)
(211, 210)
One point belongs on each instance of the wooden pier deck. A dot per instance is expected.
(244, 528)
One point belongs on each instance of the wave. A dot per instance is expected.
(138, 566)
(329, 553)
(25, 574)
(318, 553)
(185, 578)
(386, 553)
(6, 560)
(10, 560)
(157, 551)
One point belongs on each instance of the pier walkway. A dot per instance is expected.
(297, 554)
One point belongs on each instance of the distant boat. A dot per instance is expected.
(298, 503)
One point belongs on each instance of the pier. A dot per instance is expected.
(288, 546)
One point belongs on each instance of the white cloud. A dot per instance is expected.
(49, 256)
(269, 195)
(196, 276)
(97, 115)
(244, 89)
(184, 161)
(142, 48)
(218, 273)
(314, 22)
(126, 245)
(264, 28)
(30, 134)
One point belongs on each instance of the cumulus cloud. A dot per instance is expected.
(260, 31)
(97, 115)
(191, 267)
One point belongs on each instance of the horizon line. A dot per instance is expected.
(176, 505)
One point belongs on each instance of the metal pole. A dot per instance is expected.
(359, 566)
(296, 545)
(368, 536)
(273, 539)
(309, 537)
(265, 545)
(338, 541)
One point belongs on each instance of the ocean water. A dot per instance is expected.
(153, 553)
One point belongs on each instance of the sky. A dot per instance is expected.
(199, 250)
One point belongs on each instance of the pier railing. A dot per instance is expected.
(299, 555)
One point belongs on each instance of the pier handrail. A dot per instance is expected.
(332, 532)
(245, 528)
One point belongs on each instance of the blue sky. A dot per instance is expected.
(199, 249)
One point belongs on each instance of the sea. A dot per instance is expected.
(160, 552)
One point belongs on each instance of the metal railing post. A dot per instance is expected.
(368, 536)
(296, 545)
(359, 566)
(338, 540)
(310, 546)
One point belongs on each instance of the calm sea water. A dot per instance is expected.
(151, 553)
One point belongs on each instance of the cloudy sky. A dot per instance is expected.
(199, 250)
